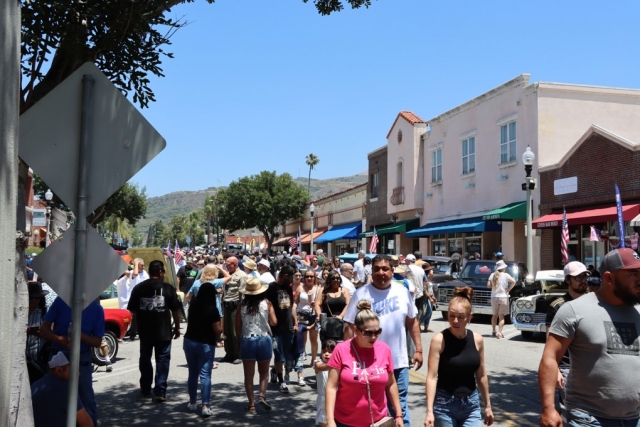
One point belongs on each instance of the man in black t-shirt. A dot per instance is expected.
(154, 302)
(187, 276)
(280, 295)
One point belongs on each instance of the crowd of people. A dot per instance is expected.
(366, 321)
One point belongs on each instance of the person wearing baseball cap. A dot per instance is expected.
(264, 269)
(601, 331)
(49, 397)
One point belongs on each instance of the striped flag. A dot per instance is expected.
(564, 238)
(178, 254)
(373, 247)
(620, 218)
(293, 242)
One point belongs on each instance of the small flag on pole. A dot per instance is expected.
(564, 238)
(293, 242)
(595, 235)
(373, 246)
(620, 218)
(178, 254)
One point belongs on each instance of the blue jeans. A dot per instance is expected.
(200, 362)
(162, 351)
(282, 349)
(428, 311)
(580, 418)
(450, 411)
(256, 348)
(402, 378)
(85, 386)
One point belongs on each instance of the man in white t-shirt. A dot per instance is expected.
(420, 281)
(397, 313)
(346, 274)
(358, 269)
(264, 271)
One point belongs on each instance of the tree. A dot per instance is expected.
(263, 201)
(176, 230)
(312, 160)
(156, 235)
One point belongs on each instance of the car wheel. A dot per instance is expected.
(112, 344)
(445, 315)
(527, 334)
(512, 312)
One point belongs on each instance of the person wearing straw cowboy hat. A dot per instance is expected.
(254, 319)
(501, 284)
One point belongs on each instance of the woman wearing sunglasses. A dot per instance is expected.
(304, 309)
(333, 300)
(361, 376)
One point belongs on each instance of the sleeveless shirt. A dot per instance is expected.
(458, 363)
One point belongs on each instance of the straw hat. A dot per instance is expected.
(253, 286)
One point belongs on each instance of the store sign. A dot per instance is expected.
(390, 244)
(547, 224)
(39, 218)
(491, 217)
(565, 186)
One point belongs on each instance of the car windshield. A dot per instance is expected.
(482, 271)
(441, 268)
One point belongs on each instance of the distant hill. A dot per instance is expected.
(183, 202)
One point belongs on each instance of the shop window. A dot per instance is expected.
(438, 247)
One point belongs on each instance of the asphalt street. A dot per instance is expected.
(511, 363)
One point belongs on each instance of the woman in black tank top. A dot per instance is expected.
(333, 300)
(456, 370)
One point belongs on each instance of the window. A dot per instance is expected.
(508, 142)
(399, 173)
(436, 165)
(374, 185)
(469, 155)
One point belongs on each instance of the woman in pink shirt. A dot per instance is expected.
(352, 363)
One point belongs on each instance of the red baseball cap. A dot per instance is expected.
(620, 259)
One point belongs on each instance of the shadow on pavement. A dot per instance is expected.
(512, 398)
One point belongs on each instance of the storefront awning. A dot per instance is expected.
(394, 228)
(635, 222)
(343, 231)
(587, 217)
(282, 241)
(510, 212)
(306, 238)
(469, 225)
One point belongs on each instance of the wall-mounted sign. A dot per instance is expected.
(39, 218)
(390, 244)
(565, 186)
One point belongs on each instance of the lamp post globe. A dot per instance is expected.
(48, 195)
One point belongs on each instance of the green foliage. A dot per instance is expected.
(262, 201)
(311, 160)
(156, 235)
(177, 230)
(128, 203)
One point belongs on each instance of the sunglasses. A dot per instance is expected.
(336, 279)
(581, 277)
(309, 277)
(370, 334)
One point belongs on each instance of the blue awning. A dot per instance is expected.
(468, 225)
(343, 231)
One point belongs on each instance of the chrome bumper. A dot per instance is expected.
(532, 327)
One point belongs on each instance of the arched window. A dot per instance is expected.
(399, 174)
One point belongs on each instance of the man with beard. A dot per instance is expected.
(575, 277)
(600, 330)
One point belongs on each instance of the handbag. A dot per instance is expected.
(384, 421)
(331, 327)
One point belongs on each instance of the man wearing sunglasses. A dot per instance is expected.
(397, 313)
(575, 278)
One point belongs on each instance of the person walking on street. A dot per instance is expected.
(429, 297)
(154, 303)
(138, 275)
(501, 284)
(203, 331)
(254, 319)
(456, 370)
(601, 330)
(230, 301)
(393, 305)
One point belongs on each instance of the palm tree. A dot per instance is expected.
(312, 160)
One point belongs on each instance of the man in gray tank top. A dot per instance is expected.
(601, 331)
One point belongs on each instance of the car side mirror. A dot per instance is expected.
(529, 280)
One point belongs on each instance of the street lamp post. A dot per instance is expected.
(530, 183)
(48, 197)
(312, 210)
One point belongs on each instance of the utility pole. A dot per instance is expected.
(15, 396)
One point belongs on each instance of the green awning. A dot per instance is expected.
(395, 228)
(517, 210)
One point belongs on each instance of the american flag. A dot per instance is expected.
(167, 251)
(293, 242)
(374, 242)
(178, 255)
(564, 238)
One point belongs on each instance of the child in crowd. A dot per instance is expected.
(322, 371)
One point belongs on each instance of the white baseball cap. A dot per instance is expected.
(265, 263)
(575, 268)
(58, 360)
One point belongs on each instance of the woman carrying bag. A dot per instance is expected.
(361, 377)
(332, 302)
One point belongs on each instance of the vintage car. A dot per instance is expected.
(531, 310)
(476, 275)
(444, 269)
(116, 323)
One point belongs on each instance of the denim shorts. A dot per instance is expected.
(456, 411)
(257, 348)
(580, 418)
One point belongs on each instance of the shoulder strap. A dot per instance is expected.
(366, 380)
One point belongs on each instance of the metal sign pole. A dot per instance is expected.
(80, 247)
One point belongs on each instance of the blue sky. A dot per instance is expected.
(259, 84)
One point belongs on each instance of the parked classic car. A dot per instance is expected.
(531, 311)
(476, 275)
(116, 323)
(444, 269)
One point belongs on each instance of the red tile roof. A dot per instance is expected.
(408, 116)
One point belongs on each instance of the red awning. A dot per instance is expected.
(587, 217)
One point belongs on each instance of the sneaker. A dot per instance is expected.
(301, 381)
(274, 376)
(286, 378)
(193, 407)
(206, 412)
(283, 388)
(109, 367)
(237, 362)
(160, 399)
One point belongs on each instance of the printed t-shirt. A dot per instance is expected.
(153, 301)
(281, 298)
(49, 397)
(392, 305)
(352, 403)
(92, 323)
(605, 356)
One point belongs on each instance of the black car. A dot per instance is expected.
(476, 275)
